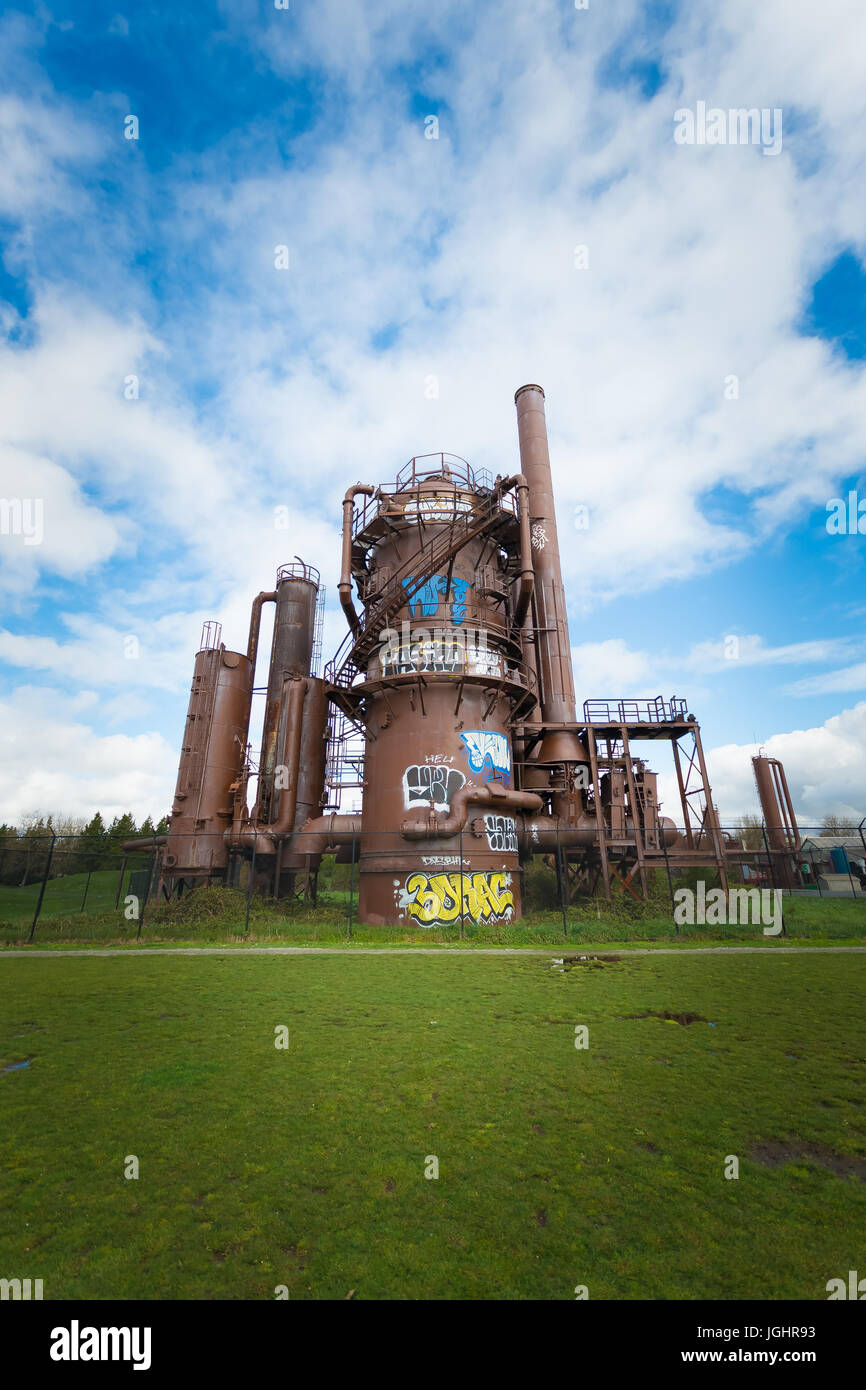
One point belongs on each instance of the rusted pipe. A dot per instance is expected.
(527, 573)
(322, 832)
(147, 843)
(291, 757)
(436, 826)
(344, 588)
(255, 624)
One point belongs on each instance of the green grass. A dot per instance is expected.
(305, 1167)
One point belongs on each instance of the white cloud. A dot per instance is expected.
(50, 762)
(825, 769)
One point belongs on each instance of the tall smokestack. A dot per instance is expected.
(551, 619)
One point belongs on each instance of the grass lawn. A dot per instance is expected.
(557, 1166)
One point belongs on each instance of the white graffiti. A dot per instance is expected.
(432, 655)
(538, 536)
(501, 833)
(431, 785)
(444, 861)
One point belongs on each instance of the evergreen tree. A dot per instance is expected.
(94, 845)
(122, 828)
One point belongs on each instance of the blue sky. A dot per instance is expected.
(413, 260)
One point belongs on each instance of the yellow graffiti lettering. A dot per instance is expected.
(482, 897)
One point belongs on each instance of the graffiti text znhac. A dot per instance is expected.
(483, 897)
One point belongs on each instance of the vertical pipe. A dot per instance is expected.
(551, 629)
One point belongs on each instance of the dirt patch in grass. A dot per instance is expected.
(770, 1153)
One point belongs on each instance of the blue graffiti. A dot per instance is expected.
(459, 588)
(488, 754)
(427, 596)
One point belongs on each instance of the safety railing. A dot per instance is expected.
(653, 710)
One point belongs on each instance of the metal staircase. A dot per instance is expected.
(355, 652)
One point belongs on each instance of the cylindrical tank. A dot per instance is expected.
(777, 808)
(311, 769)
(439, 694)
(297, 592)
(212, 758)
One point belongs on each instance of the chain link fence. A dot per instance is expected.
(77, 890)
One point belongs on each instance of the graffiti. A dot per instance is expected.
(430, 656)
(482, 897)
(501, 833)
(534, 831)
(439, 758)
(459, 588)
(443, 861)
(437, 506)
(425, 785)
(481, 661)
(538, 536)
(488, 753)
(427, 596)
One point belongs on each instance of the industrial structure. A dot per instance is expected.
(450, 709)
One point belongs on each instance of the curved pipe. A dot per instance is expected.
(527, 572)
(435, 826)
(344, 588)
(255, 623)
(317, 835)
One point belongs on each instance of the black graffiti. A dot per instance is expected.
(501, 833)
(431, 784)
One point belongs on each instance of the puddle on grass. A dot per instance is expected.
(770, 1153)
(667, 1017)
(562, 964)
(16, 1066)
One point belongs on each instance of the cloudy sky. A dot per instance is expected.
(696, 313)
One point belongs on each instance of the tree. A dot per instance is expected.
(122, 828)
(838, 825)
(162, 826)
(94, 845)
(751, 832)
(10, 854)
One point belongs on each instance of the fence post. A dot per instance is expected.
(146, 891)
(462, 895)
(772, 871)
(352, 881)
(670, 880)
(86, 887)
(44, 881)
(120, 881)
(250, 881)
(561, 877)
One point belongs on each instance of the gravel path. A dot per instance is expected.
(469, 952)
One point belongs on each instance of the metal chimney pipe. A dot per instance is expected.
(551, 618)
